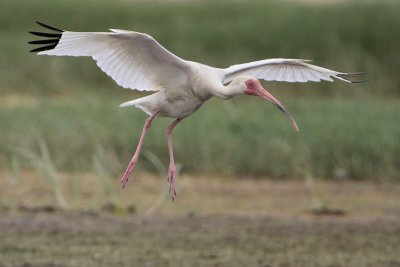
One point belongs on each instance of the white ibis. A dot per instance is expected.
(137, 61)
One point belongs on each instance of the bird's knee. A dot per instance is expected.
(147, 125)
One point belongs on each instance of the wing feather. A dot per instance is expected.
(134, 60)
(286, 70)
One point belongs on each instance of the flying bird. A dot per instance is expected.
(137, 61)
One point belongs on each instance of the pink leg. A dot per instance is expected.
(135, 157)
(172, 168)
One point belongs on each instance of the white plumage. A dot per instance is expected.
(137, 61)
(133, 60)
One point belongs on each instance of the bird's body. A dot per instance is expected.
(185, 97)
(137, 61)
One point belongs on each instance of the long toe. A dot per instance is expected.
(125, 178)
(172, 193)
(171, 181)
(124, 181)
(171, 176)
(128, 172)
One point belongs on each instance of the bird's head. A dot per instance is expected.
(252, 86)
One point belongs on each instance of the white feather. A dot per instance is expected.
(137, 61)
(281, 69)
(134, 60)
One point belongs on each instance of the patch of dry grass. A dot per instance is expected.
(204, 196)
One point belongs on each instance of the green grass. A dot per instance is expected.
(241, 137)
(356, 36)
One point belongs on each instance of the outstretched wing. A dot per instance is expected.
(286, 70)
(134, 60)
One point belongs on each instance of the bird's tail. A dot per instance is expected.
(137, 104)
(147, 103)
(129, 103)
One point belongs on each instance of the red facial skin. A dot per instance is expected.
(251, 87)
(255, 88)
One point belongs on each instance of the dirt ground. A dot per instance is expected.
(213, 222)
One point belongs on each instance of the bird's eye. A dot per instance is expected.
(250, 84)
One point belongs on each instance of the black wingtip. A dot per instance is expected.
(43, 48)
(51, 42)
(351, 76)
(48, 27)
(46, 41)
(45, 34)
(363, 81)
(355, 73)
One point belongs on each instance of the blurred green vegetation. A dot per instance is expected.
(346, 130)
(353, 36)
(338, 138)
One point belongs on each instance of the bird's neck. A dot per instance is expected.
(228, 91)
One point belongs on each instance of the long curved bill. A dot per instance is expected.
(270, 98)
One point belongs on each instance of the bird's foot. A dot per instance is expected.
(171, 181)
(124, 181)
(127, 173)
